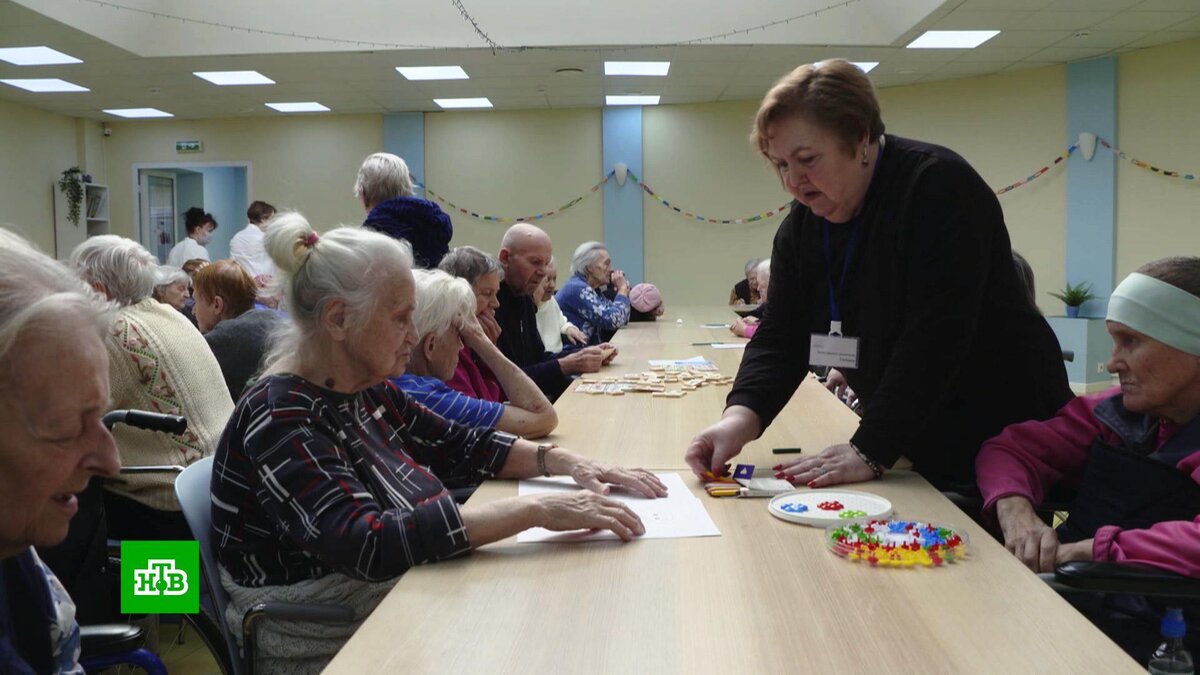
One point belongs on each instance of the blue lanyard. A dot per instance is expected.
(834, 314)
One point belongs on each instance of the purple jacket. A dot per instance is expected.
(420, 222)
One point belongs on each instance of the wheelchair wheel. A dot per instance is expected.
(210, 634)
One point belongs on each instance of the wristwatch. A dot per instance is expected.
(542, 449)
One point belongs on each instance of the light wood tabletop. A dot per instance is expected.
(765, 596)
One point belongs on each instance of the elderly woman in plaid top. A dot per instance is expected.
(329, 483)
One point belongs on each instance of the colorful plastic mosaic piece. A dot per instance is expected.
(852, 513)
(885, 543)
(794, 507)
(830, 506)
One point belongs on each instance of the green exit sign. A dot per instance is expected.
(189, 146)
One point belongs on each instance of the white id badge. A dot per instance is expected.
(833, 350)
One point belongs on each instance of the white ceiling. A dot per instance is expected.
(346, 52)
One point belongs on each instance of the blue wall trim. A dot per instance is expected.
(1091, 186)
(404, 135)
(623, 225)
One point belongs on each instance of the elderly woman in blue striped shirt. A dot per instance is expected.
(444, 319)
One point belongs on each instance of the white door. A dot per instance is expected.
(156, 206)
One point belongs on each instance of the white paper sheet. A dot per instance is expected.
(695, 363)
(730, 345)
(715, 325)
(680, 514)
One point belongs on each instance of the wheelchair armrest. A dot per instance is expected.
(298, 611)
(144, 419)
(110, 638)
(152, 468)
(1127, 578)
(287, 611)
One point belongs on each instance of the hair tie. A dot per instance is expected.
(311, 239)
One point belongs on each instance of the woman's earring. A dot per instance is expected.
(864, 160)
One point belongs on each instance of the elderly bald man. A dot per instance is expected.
(525, 253)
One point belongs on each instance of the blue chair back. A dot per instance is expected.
(193, 489)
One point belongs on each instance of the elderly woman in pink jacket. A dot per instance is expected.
(1130, 454)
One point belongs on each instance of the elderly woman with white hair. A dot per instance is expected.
(747, 327)
(172, 286)
(746, 291)
(582, 304)
(385, 190)
(444, 320)
(54, 391)
(158, 362)
(330, 483)
(552, 324)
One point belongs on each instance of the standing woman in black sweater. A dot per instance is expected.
(894, 266)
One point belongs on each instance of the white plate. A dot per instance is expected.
(804, 506)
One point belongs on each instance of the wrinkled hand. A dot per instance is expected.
(575, 336)
(262, 280)
(594, 475)
(1033, 542)
(562, 512)
(834, 465)
(472, 334)
(660, 310)
(490, 328)
(738, 327)
(611, 351)
(1080, 550)
(586, 360)
(619, 282)
(739, 303)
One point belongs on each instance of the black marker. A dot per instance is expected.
(787, 451)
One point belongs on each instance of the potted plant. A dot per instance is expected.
(71, 185)
(1074, 295)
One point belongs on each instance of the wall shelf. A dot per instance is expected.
(93, 218)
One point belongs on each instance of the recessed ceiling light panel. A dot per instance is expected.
(433, 72)
(865, 66)
(45, 85)
(449, 103)
(298, 106)
(952, 39)
(631, 100)
(35, 56)
(651, 68)
(137, 113)
(234, 78)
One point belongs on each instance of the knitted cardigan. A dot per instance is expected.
(158, 361)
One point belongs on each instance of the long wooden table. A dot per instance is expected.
(766, 596)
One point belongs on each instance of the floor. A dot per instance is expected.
(189, 658)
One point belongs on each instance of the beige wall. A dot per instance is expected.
(1006, 126)
(37, 146)
(302, 163)
(1158, 98)
(517, 163)
(513, 163)
(699, 158)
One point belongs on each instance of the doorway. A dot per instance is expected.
(165, 191)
